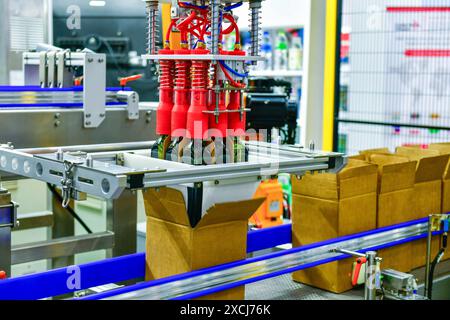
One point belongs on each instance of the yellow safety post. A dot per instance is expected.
(330, 74)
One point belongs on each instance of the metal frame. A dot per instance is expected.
(101, 177)
(214, 279)
(53, 67)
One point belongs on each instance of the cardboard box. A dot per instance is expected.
(444, 148)
(356, 178)
(327, 206)
(316, 220)
(427, 198)
(175, 247)
(396, 177)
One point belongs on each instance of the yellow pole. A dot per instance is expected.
(330, 74)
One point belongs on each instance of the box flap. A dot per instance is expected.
(395, 172)
(416, 153)
(368, 153)
(431, 164)
(357, 168)
(316, 185)
(231, 211)
(431, 169)
(166, 204)
(352, 180)
(443, 148)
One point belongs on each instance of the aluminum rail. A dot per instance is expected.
(203, 282)
(61, 247)
(108, 147)
(107, 180)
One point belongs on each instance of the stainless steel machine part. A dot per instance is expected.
(7, 222)
(107, 180)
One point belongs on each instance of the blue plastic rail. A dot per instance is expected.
(67, 105)
(54, 282)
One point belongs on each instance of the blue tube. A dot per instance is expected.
(229, 69)
(233, 6)
(194, 6)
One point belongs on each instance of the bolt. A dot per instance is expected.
(88, 115)
(90, 60)
(89, 161)
(102, 115)
(60, 155)
(57, 115)
(57, 123)
(100, 60)
(88, 123)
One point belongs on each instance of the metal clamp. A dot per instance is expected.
(372, 274)
(68, 192)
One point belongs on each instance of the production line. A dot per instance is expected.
(190, 157)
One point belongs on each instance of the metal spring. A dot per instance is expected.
(214, 13)
(166, 73)
(199, 75)
(255, 27)
(212, 73)
(182, 74)
(152, 26)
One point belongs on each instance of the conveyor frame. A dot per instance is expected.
(132, 267)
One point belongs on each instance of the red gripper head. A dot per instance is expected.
(197, 119)
(179, 112)
(164, 111)
(220, 126)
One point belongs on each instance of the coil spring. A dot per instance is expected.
(255, 27)
(166, 73)
(212, 73)
(152, 26)
(214, 15)
(182, 74)
(199, 75)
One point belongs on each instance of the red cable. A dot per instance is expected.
(230, 79)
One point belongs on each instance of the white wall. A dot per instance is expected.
(278, 13)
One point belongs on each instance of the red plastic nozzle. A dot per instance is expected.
(220, 126)
(164, 111)
(2, 275)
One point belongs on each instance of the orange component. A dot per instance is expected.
(359, 263)
(124, 81)
(270, 214)
(2, 275)
(77, 81)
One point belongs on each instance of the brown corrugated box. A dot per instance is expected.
(174, 247)
(444, 148)
(327, 206)
(427, 199)
(396, 177)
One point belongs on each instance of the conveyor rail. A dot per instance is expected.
(203, 282)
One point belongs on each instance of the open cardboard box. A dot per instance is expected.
(396, 176)
(428, 186)
(327, 206)
(191, 227)
(174, 246)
